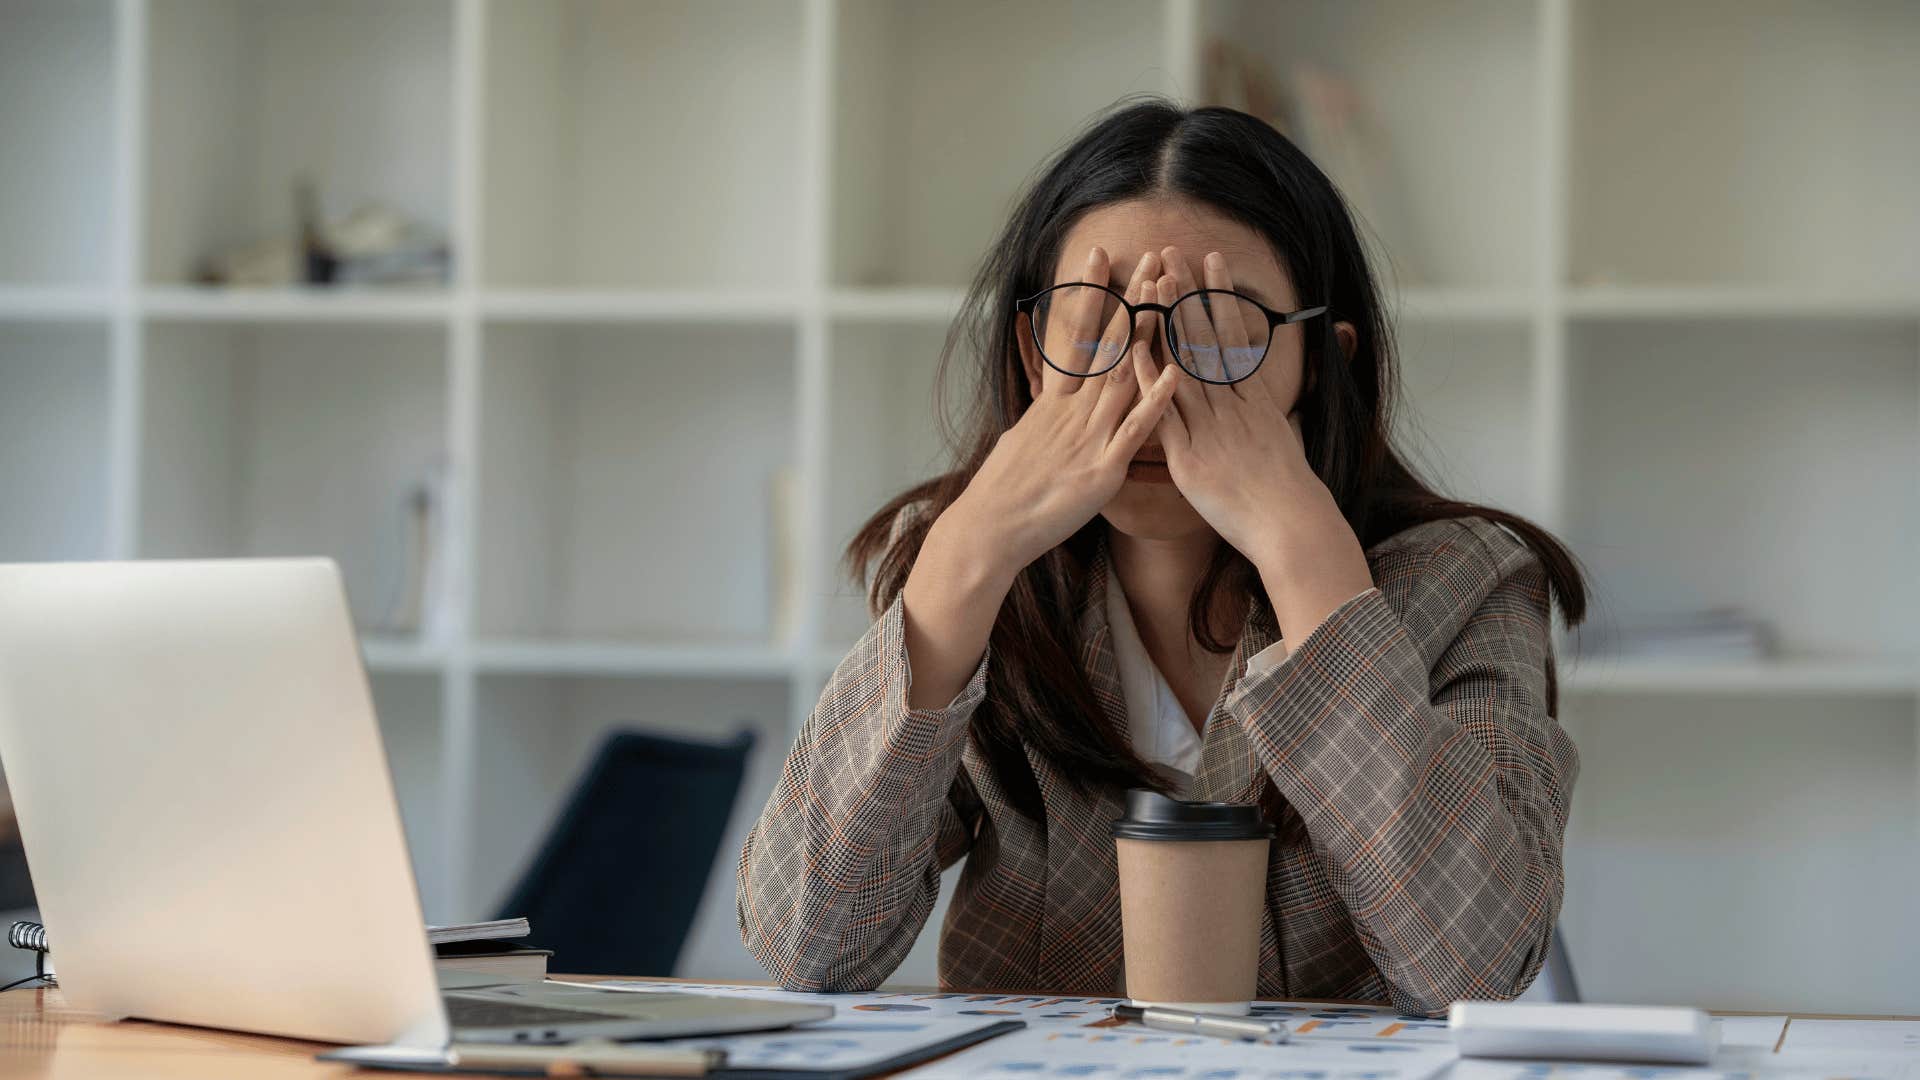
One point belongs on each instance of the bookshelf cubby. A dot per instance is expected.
(1764, 465)
(1653, 267)
(54, 390)
(411, 705)
(56, 75)
(1758, 807)
(1466, 416)
(610, 127)
(243, 96)
(287, 439)
(931, 138)
(1451, 89)
(882, 439)
(1682, 169)
(602, 432)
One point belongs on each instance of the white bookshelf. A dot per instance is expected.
(1654, 266)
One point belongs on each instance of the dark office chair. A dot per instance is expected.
(1559, 970)
(615, 886)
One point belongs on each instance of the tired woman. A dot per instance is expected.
(1179, 551)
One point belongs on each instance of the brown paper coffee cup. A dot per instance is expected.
(1192, 886)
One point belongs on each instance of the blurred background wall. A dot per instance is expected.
(631, 312)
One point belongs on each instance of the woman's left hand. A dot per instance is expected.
(1237, 455)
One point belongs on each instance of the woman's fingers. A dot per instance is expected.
(1191, 394)
(1228, 320)
(1120, 331)
(1143, 418)
(1199, 347)
(1073, 322)
(1171, 427)
(1103, 346)
(1118, 389)
(1238, 353)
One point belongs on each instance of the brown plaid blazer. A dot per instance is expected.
(1405, 751)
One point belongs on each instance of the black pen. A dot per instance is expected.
(1245, 1028)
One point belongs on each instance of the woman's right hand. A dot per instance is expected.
(1046, 476)
(1067, 455)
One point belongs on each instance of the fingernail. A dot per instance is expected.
(1095, 255)
(1216, 261)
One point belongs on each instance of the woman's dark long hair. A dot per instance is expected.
(1240, 166)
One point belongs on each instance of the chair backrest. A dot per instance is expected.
(616, 884)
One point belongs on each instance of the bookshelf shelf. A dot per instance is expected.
(705, 260)
(1443, 305)
(899, 304)
(714, 306)
(302, 305)
(1809, 675)
(523, 657)
(401, 653)
(1758, 301)
(53, 304)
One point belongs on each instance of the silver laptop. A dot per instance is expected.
(212, 830)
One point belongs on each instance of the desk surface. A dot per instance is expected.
(40, 1036)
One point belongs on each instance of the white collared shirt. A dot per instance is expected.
(1157, 724)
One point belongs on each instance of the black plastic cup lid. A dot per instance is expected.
(1152, 816)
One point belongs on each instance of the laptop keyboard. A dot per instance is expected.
(466, 1012)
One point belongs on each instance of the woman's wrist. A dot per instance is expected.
(968, 557)
(1309, 574)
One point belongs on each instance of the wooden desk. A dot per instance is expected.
(41, 1037)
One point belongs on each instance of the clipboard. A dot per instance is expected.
(569, 1059)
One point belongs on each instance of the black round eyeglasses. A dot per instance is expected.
(1215, 335)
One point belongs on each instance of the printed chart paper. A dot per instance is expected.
(1898, 1036)
(1036, 1010)
(1133, 1052)
(1306, 1020)
(1762, 1032)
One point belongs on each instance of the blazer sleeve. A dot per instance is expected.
(1437, 793)
(837, 877)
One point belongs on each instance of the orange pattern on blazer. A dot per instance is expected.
(1404, 750)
